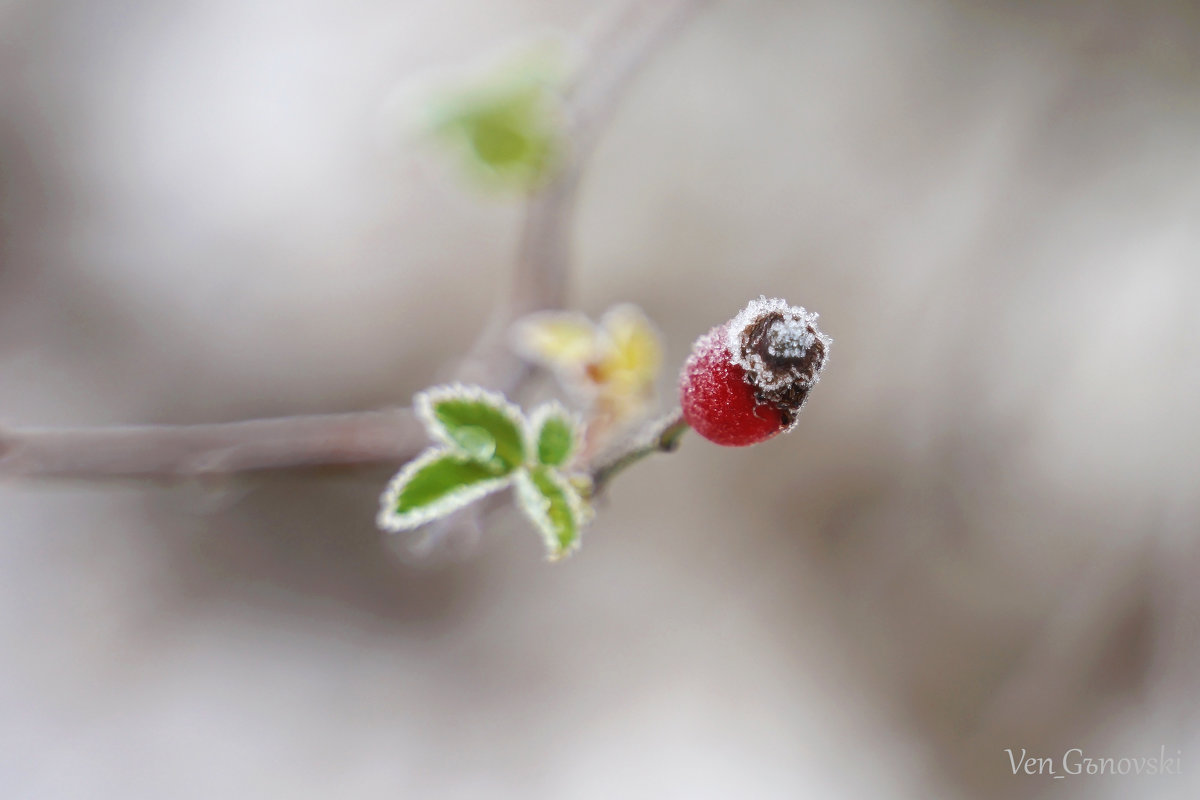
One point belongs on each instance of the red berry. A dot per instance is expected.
(747, 380)
(718, 402)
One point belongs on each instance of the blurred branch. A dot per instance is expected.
(539, 281)
(174, 451)
(638, 33)
(1051, 674)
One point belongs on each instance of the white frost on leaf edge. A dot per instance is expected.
(391, 520)
(424, 402)
(537, 419)
(535, 505)
(583, 510)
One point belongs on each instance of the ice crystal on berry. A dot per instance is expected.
(781, 349)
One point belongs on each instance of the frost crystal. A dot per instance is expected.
(781, 349)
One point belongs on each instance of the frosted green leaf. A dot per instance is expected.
(555, 434)
(556, 441)
(478, 424)
(435, 484)
(554, 507)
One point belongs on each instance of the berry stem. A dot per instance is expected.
(660, 436)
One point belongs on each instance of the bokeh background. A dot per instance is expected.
(982, 536)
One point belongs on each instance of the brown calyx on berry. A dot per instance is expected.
(782, 352)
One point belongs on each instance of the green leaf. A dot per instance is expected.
(476, 442)
(478, 424)
(555, 441)
(555, 434)
(507, 134)
(507, 125)
(554, 507)
(517, 140)
(433, 485)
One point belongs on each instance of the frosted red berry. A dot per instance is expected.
(717, 400)
(747, 380)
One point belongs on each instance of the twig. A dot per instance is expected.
(539, 281)
(638, 33)
(661, 436)
(540, 277)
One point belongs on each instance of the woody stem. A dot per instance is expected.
(661, 436)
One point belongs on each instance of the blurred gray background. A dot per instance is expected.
(982, 536)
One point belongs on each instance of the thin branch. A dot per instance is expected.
(661, 436)
(638, 33)
(539, 281)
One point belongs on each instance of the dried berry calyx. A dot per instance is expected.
(747, 380)
(782, 351)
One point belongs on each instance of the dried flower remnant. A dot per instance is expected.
(609, 368)
(748, 379)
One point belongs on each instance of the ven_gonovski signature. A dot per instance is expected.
(1074, 762)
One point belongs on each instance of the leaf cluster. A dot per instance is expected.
(483, 444)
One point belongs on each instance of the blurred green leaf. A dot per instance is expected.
(509, 130)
